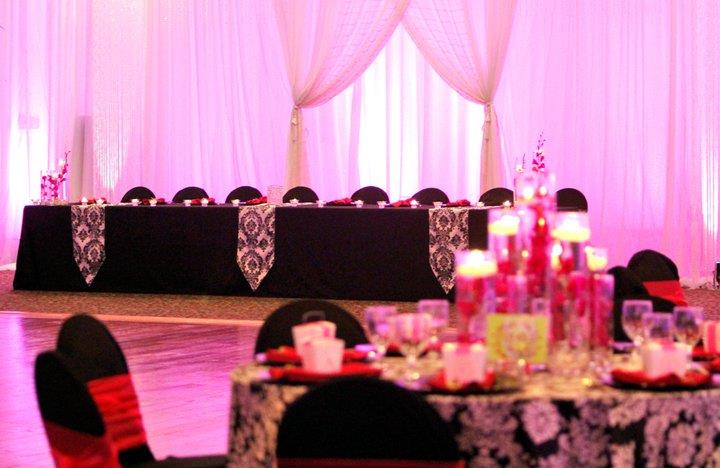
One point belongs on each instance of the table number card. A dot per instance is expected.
(275, 194)
(517, 336)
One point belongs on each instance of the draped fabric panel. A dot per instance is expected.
(466, 42)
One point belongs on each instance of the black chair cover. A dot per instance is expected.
(429, 195)
(370, 195)
(497, 196)
(650, 265)
(243, 193)
(138, 192)
(276, 331)
(301, 193)
(570, 199)
(364, 418)
(189, 193)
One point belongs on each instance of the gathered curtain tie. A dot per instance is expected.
(487, 125)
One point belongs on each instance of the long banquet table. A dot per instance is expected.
(329, 252)
(542, 424)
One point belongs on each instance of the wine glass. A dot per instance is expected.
(438, 310)
(687, 324)
(378, 322)
(411, 331)
(657, 327)
(632, 313)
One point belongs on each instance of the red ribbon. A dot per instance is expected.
(669, 290)
(74, 449)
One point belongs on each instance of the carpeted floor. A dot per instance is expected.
(207, 307)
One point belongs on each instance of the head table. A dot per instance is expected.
(542, 424)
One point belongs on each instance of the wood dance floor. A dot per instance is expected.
(180, 368)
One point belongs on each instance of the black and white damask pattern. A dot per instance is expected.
(256, 242)
(88, 234)
(448, 234)
(537, 426)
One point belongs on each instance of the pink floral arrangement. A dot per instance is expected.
(538, 162)
(50, 183)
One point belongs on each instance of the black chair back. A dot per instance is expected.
(430, 195)
(370, 195)
(364, 418)
(276, 331)
(243, 193)
(301, 193)
(189, 193)
(571, 199)
(138, 192)
(650, 265)
(497, 196)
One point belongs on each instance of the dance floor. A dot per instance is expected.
(180, 368)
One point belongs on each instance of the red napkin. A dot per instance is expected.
(92, 201)
(158, 201)
(461, 202)
(300, 375)
(257, 201)
(402, 203)
(340, 202)
(198, 201)
(288, 355)
(713, 366)
(691, 379)
(438, 382)
(700, 354)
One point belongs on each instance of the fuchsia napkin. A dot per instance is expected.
(158, 201)
(438, 382)
(300, 375)
(691, 379)
(257, 201)
(402, 203)
(198, 201)
(461, 202)
(288, 355)
(340, 202)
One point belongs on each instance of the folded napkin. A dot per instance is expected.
(256, 201)
(402, 203)
(300, 375)
(92, 201)
(439, 383)
(691, 379)
(713, 366)
(198, 201)
(340, 202)
(158, 201)
(289, 355)
(461, 202)
(700, 354)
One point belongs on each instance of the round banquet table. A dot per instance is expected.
(541, 424)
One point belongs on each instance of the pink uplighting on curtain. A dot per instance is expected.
(172, 93)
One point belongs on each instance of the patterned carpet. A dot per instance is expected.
(206, 307)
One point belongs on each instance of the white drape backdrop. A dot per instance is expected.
(174, 93)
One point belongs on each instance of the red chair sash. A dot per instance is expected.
(73, 449)
(363, 463)
(117, 401)
(669, 290)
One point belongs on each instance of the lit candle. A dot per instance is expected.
(359, 203)
(381, 204)
(153, 202)
(187, 202)
(572, 228)
(99, 201)
(437, 204)
(507, 204)
(596, 259)
(480, 204)
(477, 264)
(414, 204)
(135, 201)
(507, 225)
(204, 202)
(294, 201)
(320, 203)
(235, 202)
(83, 201)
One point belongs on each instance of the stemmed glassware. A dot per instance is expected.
(657, 327)
(378, 320)
(632, 320)
(687, 324)
(438, 310)
(411, 331)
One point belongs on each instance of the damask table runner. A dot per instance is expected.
(256, 242)
(448, 234)
(88, 235)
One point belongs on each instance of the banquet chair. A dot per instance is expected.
(571, 199)
(98, 360)
(628, 286)
(370, 195)
(429, 195)
(243, 193)
(301, 193)
(658, 274)
(363, 422)
(138, 192)
(497, 196)
(73, 425)
(276, 330)
(189, 193)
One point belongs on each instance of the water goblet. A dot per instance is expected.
(687, 324)
(438, 310)
(412, 333)
(632, 313)
(378, 322)
(657, 327)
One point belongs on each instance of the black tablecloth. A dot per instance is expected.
(331, 252)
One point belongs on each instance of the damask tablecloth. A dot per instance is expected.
(540, 425)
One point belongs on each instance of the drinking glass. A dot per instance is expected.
(687, 324)
(657, 327)
(438, 310)
(378, 322)
(411, 331)
(632, 313)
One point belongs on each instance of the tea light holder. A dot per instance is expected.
(294, 202)
(83, 201)
(135, 201)
(358, 203)
(204, 202)
(475, 272)
(100, 201)
(414, 204)
(480, 204)
(235, 202)
(153, 202)
(187, 202)
(320, 203)
(437, 204)
(597, 259)
(381, 204)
